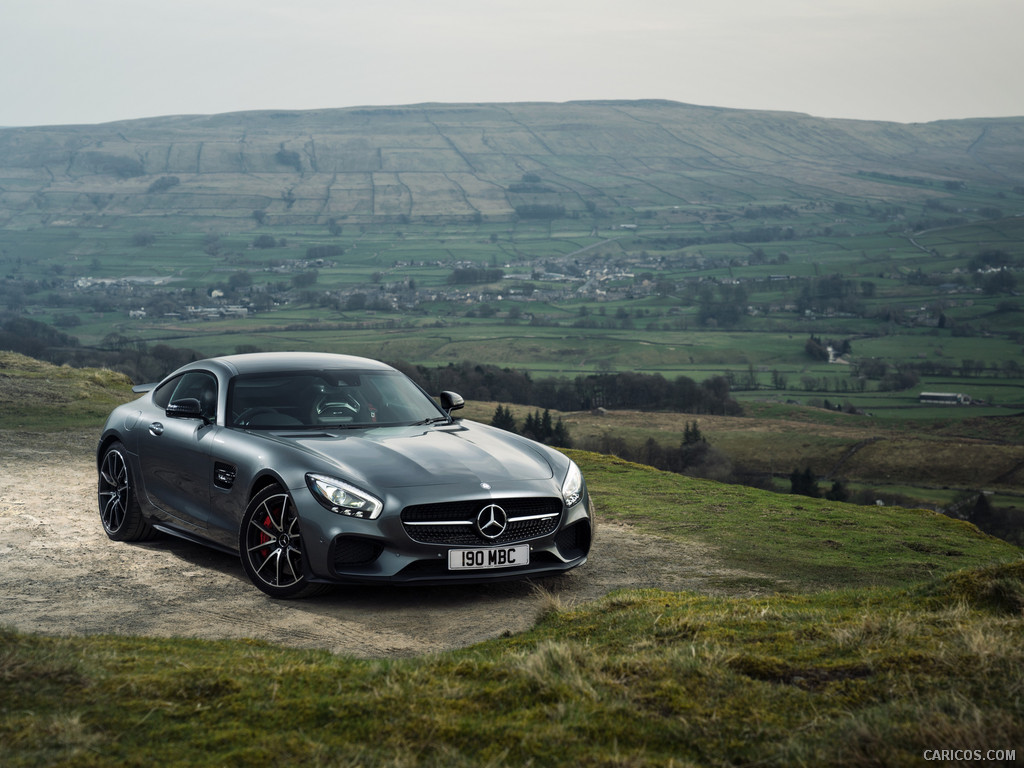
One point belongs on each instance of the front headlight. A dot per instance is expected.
(572, 486)
(344, 499)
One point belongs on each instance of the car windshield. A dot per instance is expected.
(328, 400)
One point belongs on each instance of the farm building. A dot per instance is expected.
(944, 398)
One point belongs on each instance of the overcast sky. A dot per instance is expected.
(91, 61)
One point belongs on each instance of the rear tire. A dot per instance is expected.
(120, 512)
(270, 545)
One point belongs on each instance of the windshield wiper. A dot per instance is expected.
(431, 420)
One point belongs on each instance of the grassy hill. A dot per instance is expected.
(40, 396)
(874, 634)
(479, 161)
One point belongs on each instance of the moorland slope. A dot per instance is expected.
(480, 161)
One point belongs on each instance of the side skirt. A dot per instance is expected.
(171, 530)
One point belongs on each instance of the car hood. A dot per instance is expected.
(396, 457)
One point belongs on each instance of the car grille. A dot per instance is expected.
(455, 523)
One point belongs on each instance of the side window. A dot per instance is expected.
(198, 384)
(162, 394)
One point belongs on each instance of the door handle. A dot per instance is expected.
(156, 429)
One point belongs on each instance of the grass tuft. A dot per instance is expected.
(999, 589)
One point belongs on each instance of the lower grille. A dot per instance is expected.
(350, 551)
(456, 523)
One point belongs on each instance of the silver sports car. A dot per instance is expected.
(319, 469)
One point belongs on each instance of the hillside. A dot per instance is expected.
(481, 162)
(746, 628)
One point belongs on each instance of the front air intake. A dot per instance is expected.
(574, 541)
(350, 551)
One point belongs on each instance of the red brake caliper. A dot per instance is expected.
(265, 537)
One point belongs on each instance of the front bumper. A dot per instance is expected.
(340, 549)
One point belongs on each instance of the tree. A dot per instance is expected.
(816, 349)
(289, 157)
(838, 492)
(324, 251)
(804, 483)
(114, 340)
(1002, 281)
(475, 275)
(503, 419)
(652, 453)
(561, 438)
(664, 287)
(211, 245)
(305, 279)
(531, 426)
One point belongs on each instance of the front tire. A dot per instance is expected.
(270, 545)
(120, 512)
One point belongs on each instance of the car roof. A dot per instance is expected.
(269, 362)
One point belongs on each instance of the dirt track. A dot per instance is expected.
(59, 574)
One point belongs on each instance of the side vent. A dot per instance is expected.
(223, 475)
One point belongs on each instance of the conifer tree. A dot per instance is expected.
(503, 419)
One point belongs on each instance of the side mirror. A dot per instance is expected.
(451, 401)
(186, 408)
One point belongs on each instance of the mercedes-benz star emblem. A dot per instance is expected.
(491, 521)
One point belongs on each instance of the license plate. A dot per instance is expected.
(492, 557)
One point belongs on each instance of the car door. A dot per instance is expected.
(175, 452)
